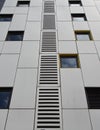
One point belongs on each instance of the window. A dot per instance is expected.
(49, 22)
(1, 4)
(5, 17)
(23, 3)
(5, 96)
(75, 3)
(83, 35)
(78, 17)
(93, 97)
(69, 61)
(15, 36)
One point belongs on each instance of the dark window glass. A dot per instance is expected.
(5, 17)
(75, 3)
(15, 36)
(78, 17)
(69, 61)
(23, 3)
(83, 36)
(5, 96)
(1, 3)
(93, 97)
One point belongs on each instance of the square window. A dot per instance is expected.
(69, 61)
(83, 35)
(5, 97)
(15, 36)
(75, 3)
(78, 17)
(23, 3)
(93, 97)
(5, 17)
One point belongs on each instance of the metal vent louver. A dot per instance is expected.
(93, 97)
(48, 42)
(49, 22)
(48, 70)
(48, 6)
(48, 114)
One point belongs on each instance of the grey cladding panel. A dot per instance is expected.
(48, 42)
(49, 22)
(49, 7)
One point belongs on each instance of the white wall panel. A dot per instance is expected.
(95, 119)
(24, 91)
(63, 13)
(4, 29)
(10, 3)
(36, 3)
(29, 54)
(18, 22)
(86, 47)
(32, 31)
(90, 65)
(34, 14)
(95, 28)
(67, 47)
(76, 120)
(11, 47)
(1, 46)
(7, 10)
(21, 10)
(80, 26)
(8, 65)
(95, 14)
(20, 120)
(3, 116)
(88, 2)
(97, 43)
(65, 31)
(76, 10)
(73, 94)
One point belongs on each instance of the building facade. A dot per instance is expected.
(49, 64)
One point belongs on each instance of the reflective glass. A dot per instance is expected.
(15, 36)
(69, 62)
(5, 98)
(78, 19)
(5, 17)
(83, 37)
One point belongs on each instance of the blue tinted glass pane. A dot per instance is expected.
(15, 37)
(83, 37)
(4, 99)
(68, 62)
(5, 19)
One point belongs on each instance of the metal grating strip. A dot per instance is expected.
(48, 6)
(48, 42)
(48, 74)
(49, 22)
(48, 111)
